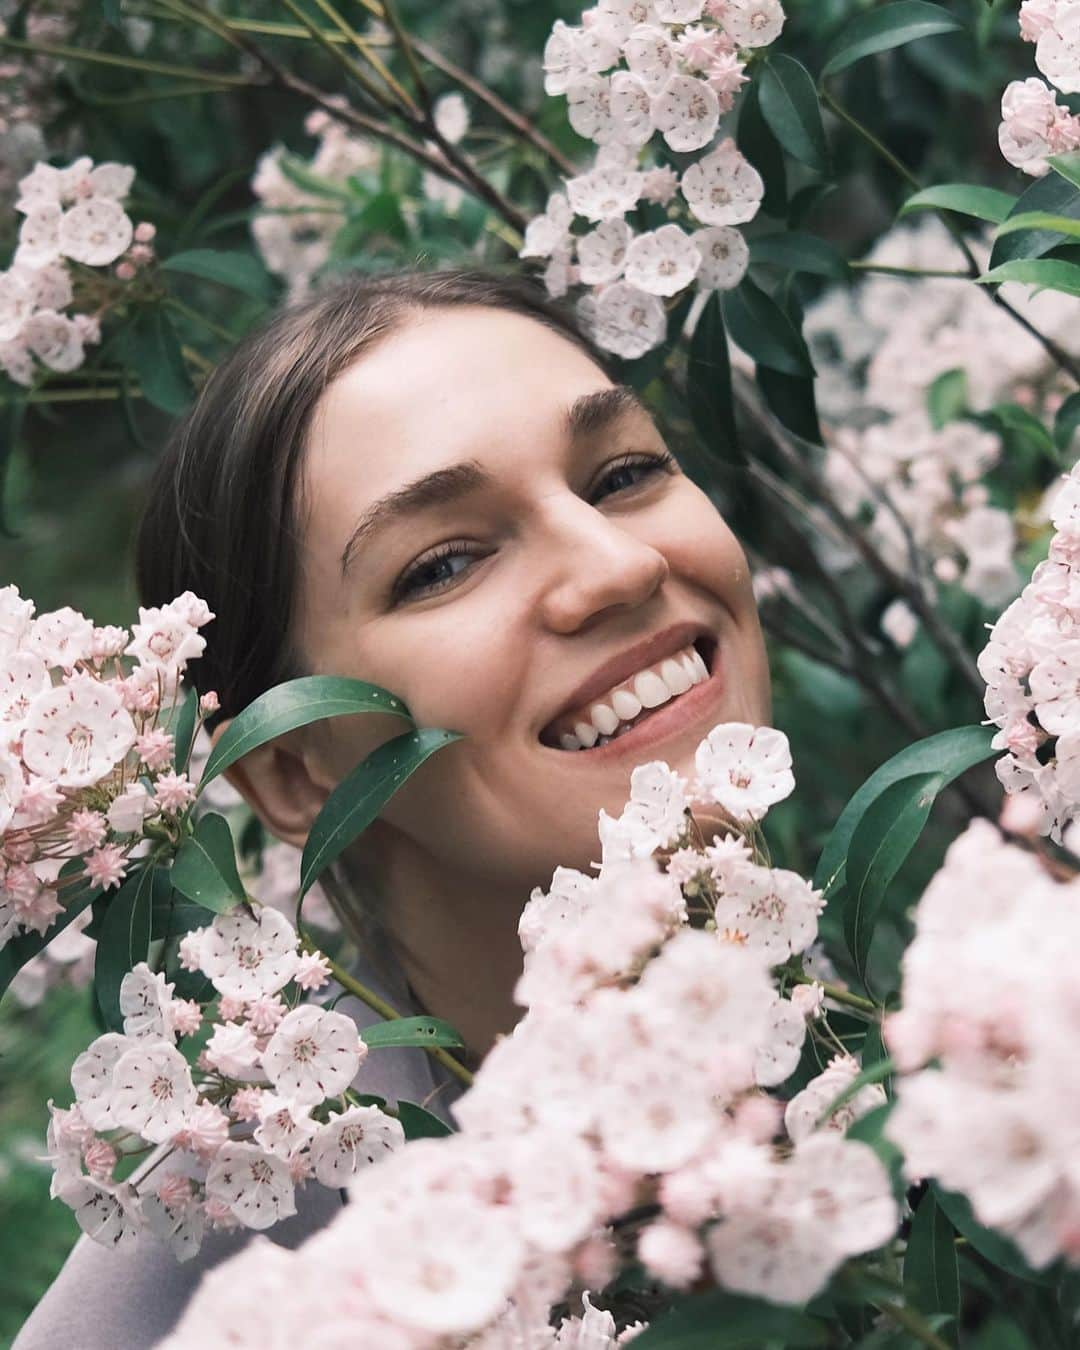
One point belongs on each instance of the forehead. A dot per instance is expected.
(451, 384)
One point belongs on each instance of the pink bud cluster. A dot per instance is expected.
(993, 1117)
(635, 71)
(1031, 666)
(71, 215)
(1034, 124)
(632, 1090)
(246, 1126)
(85, 766)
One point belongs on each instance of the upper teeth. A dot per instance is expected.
(649, 688)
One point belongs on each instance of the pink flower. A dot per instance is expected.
(312, 972)
(86, 830)
(174, 1191)
(209, 703)
(100, 1159)
(105, 866)
(265, 1012)
(809, 999)
(671, 1253)
(229, 1009)
(245, 1103)
(173, 792)
(207, 1129)
(184, 1016)
(155, 748)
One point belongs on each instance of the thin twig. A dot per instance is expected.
(344, 60)
(65, 53)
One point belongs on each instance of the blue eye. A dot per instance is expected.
(433, 573)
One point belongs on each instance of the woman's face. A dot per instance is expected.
(572, 542)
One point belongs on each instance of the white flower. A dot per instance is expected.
(602, 252)
(165, 639)
(725, 256)
(628, 321)
(604, 193)
(779, 1053)
(550, 232)
(631, 108)
(145, 997)
(256, 1186)
(1057, 52)
(556, 1190)
(74, 734)
(181, 1228)
(16, 615)
(744, 769)
(247, 954)
(570, 895)
(770, 908)
(351, 1140)
(802, 1113)
(753, 23)
(687, 112)
(11, 787)
(899, 623)
(54, 339)
(313, 1054)
(128, 811)
(61, 637)
(663, 261)
(152, 1091)
(39, 237)
(17, 303)
(92, 1078)
(233, 1050)
(451, 114)
(588, 106)
(657, 802)
(95, 232)
(678, 11)
(106, 1212)
(284, 1127)
(724, 188)
(650, 55)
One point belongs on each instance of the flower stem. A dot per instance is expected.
(66, 53)
(915, 1325)
(859, 266)
(384, 1009)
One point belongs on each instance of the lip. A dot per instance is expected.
(619, 668)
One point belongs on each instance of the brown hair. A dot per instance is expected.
(222, 518)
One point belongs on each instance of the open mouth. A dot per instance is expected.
(637, 700)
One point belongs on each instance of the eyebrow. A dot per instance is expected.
(587, 415)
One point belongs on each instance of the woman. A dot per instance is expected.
(434, 483)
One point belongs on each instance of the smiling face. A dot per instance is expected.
(563, 538)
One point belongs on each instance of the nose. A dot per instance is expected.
(593, 564)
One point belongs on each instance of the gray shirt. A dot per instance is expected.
(128, 1300)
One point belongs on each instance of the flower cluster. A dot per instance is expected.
(878, 348)
(1034, 124)
(635, 70)
(85, 767)
(239, 1132)
(300, 214)
(625, 1118)
(1031, 666)
(993, 1118)
(49, 309)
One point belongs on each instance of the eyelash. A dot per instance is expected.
(404, 590)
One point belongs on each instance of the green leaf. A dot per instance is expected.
(205, 868)
(420, 1124)
(998, 1250)
(948, 754)
(294, 704)
(1068, 166)
(878, 30)
(75, 898)
(124, 939)
(796, 251)
(789, 104)
(1051, 195)
(150, 346)
(708, 385)
(791, 400)
(966, 199)
(362, 794)
(765, 333)
(870, 1130)
(1047, 273)
(1012, 418)
(946, 398)
(931, 1270)
(411, 1031)
(886, 834)
(1039, 220)
(1066, 422)
(755, 139)
(722, 1321)
(238, 271)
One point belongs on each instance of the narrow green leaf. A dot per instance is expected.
(150, 346)
(1012, 418)
(874, 1073)
(1068, 166)
(362, 794)
(967, 199)
(722, 1321)
(878, 30)
(1066, 422)
(789, 104)
(796, 251)
(181, 723)
(765, 333)
(238, 271)
(124, 939)
(708, 385)
(1039, 220)
(294, 704)
(871, 1131)
(1052, 195)
(998, 1334)
(946, 398)
(1047, 273)
(19, 950)
(998, 1250)
(791, 400)
(931, 1270)
(755, 139)
(411, 1031)
(948, 753)
(205, 868)
(420, 1124)
(886, 834)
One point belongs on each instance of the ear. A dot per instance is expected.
(275, 781)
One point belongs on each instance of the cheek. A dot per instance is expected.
(702, 549)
